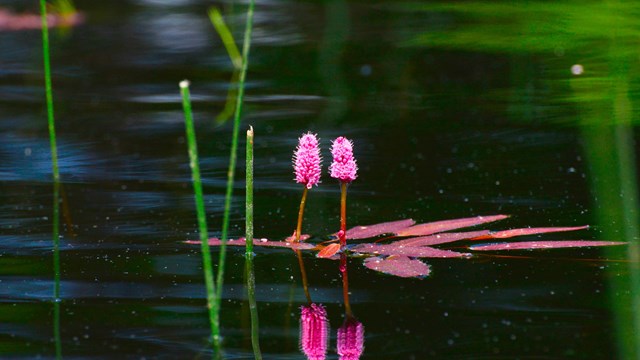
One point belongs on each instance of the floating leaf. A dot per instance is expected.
(258, 242)
(440, 238)
(368, 231)
(329, 251)
(413, 251)
(530, 245)
(527, 231)
(401, 266)
(446, 225)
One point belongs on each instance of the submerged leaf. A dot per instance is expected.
(401, 266)
(530, 245)
(440, 238)
(446, 225)
(527, 231)
(413, 251)
(329, 251)
(258, 242)
(368, 231)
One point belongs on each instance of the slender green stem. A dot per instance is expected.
(202, 217)
(232, 157)
(56, 178)
(251, 279)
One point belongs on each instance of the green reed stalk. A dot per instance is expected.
(233, 156)
(56, 179)
(251, 279)
(212, 305)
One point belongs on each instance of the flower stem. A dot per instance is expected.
(200, 210)
(303, 202)
(251, 279)
(303, 272)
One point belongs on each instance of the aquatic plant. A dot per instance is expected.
(314, 331)
(405, 242)
(232, 157)
(194, 164)
(343, 168)
(251, 280)
(307, 166)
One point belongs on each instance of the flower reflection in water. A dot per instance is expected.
(314, 331)
(351, 339)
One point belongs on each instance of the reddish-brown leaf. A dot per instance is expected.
(368, 231)
(439, 238)
(527, 231)
(329, 251)
(530, 245)
(401, 266)
(446, 225)
(258, 242)
(413, 251)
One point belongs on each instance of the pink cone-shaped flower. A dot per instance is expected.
(351, 339)
(307, 160)
(314, 331)
(343, 167)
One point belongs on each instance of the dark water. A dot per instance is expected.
(455, 111)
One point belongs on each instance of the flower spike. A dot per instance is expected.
(343, 167)
(307, 161)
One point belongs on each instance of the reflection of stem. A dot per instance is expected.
(345, 284)
(56, 178)
(301, 214)
(303, 273)
(230, 104)
(343, 214)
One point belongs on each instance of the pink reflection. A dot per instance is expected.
(314, 331)
(351, 339)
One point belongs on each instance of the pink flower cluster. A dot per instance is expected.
(314, 331)
(307, 161)
(343, 167)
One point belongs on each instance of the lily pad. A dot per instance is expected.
(527, 231)
(440, 238)
(446, 225)
(369, 231)
(413, 251)
(531, 245)
(401, 266)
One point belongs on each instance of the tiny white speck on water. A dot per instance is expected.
(577, 69)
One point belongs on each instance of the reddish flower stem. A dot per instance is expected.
(343, 215)
(301, 214)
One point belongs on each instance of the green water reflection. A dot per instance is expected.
(589, 53)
